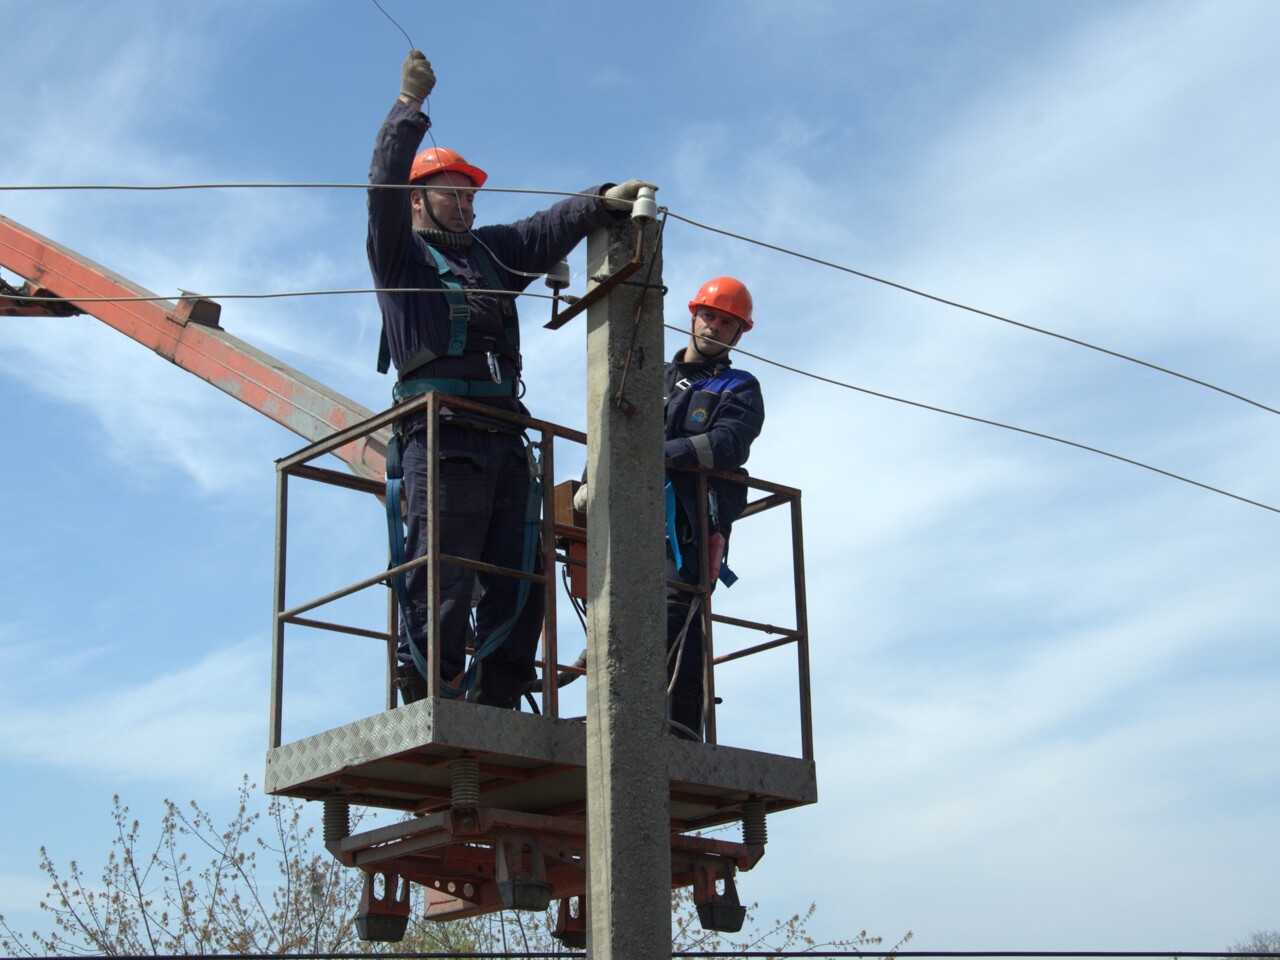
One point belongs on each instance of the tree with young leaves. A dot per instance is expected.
(265, 885)
(1260, 941)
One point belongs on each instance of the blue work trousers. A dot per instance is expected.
(484, 490)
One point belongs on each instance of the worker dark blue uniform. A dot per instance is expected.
(465, 344)
(713, 413)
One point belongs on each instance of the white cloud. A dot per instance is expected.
(191, 724)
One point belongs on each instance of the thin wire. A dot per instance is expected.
(991, 423)
(285, 186)
(727, 233)
(754, 356)
(190, 295)
(471, 233)
(393, 20)
(979, 312)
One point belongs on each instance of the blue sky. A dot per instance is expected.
(1045, 682)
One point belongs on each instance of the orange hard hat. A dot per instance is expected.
(727, 294)
(443, 160)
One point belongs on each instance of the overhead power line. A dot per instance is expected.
(976, 310)
(990, 423)
(793, 369)
(754, 356)
(162, 187)
(695, 223)
(189, 295)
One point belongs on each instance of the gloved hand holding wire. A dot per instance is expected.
(623, 195)
(416, 77)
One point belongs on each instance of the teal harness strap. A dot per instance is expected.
(404, 389)
(459, 309)
(460, 316)
(726, 576)
(532, 524)
(395, 535)
(509, 325)
(672, 539)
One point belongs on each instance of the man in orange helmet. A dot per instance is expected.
(464, 343)
(713, 413)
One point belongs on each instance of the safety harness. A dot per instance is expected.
(723, 573)
(395, 536)
(459, 340)
(404, 389)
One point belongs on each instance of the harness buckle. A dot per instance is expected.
(494, 371)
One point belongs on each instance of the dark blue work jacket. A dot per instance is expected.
(713, 412)
(400, 258)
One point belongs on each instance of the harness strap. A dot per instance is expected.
(395, 536)
(532, 524)
(507, 304)
(460, 319)
(473, 345)
(404, 389)
(725, 575)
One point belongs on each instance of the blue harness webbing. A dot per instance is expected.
(726, 576)
(459, 315)
(395, 535)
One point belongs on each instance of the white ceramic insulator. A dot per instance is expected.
(645, 208)
(558, 276)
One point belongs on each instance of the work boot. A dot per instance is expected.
(500, 686)
(684, 707)
(410, 684)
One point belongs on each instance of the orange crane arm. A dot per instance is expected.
(187, 334)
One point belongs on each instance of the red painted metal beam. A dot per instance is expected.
(187, 334)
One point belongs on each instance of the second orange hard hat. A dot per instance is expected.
(727, 294)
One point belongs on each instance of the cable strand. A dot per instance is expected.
(990, 423)
(976, 310)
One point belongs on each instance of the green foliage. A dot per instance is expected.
(264, 884)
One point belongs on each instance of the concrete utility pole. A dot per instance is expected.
(628, 824)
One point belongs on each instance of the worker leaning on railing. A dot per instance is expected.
(465, 344)
(713, 413)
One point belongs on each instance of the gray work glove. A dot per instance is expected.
(416, 77)
(580, 499)
(624, 194)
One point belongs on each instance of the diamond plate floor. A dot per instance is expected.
(400, 760)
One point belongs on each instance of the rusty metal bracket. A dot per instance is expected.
(722, 912)
(24, 301)
(383, 918)
(601, 289)
(193, 308)
(571, 923)
(521, 872)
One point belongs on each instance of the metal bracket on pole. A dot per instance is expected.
(601, 289)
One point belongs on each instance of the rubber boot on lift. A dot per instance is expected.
(500, 685)
(684, 707)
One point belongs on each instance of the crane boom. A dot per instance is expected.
(187, 334)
